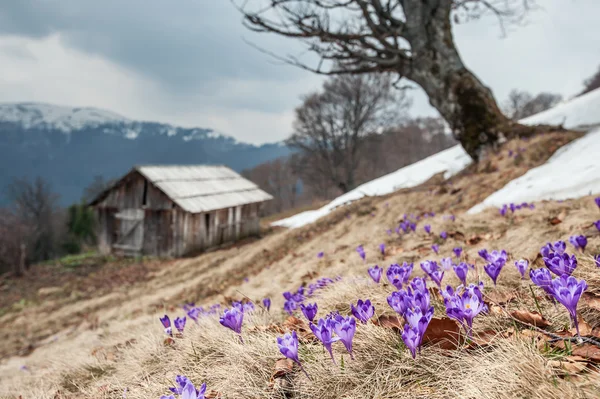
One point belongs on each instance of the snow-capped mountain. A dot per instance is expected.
(69, 146)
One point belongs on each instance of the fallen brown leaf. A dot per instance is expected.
(475, 239)
(501, 297)
(569, 365)
(591, 300)
(584, 328)
(213, 395)
(444, 331)
(588, 351)
(283, 367)
(392, 322)
(533, 318)
(457, 235)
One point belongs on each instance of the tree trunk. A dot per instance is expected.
(460, 97)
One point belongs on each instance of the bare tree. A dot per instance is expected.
(14, 235)
(330, 126)
(521, 104)
(97, 186)
(411, 39)
(278, 179)
(591, 83)
(36, 205)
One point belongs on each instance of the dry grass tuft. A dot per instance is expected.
(513, 361)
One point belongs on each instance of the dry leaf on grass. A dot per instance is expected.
(305, 335)
(588, 351)
(591, 300)
(457, 235)
(501, 297)
(444, 331)
(213, 395)
(569, 365)
(584, 328)
(474, 239)
(392, 322)
(533, 318)
(283, 367)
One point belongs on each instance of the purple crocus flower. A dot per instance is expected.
(309, 311)
(457, 251)
(412, 226)
(522, 266)
(288, 346)
(483, 253)
(289, 306)
(398, 275)
(461, 271)
(375, 273)
(419, 284)
(179, 323)
(323, 330)
(382, 248)
(267, 303)
(232, 319)
(597, 200)
(320, 254)
(597, 259)
(436, 248)
(447, 263)
(427, 228)
(493, 270)
(567, 290)
(166, 322)
(411, 338)
(512, 207)
(363, 311)
(597, 224)
(389, 232)
(444, 235)
(579, 242)
(542, 278)
(419, 319)
(361, 252)
(466, 306)
(561, 264)
(437, 276)
(503, 210)
(399, 301)
(186, 389)
(429, 266)
(345, 327)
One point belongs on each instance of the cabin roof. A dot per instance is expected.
(200, 188)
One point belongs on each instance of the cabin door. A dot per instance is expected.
(130, 233)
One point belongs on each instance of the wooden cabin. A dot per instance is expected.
(176, 210)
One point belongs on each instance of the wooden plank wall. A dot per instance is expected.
(168, 230)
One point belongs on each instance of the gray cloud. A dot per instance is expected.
(186, 62)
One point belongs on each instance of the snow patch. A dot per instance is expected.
(573, 171)
(576, 164)
(66, 119)
(450, 161)
(580, 113)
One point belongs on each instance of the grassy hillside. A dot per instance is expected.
(110, 342)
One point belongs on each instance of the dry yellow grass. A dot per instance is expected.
(126, 350)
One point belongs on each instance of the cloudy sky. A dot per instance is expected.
(186, 62)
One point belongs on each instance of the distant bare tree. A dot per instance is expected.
(278, 179)
(97, 186)
(14, 236)
(36, 205)
(410, 39)
(592, 83)
(330, 126)
(521, 104)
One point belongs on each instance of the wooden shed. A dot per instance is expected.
(175, 210)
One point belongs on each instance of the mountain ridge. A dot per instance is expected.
(69, 146)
